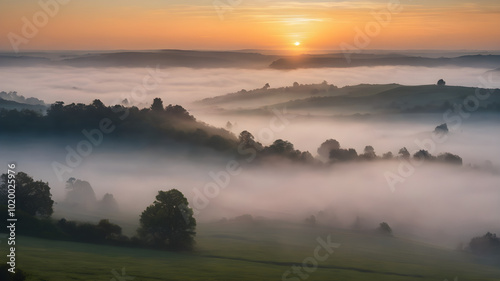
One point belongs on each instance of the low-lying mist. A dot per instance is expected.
(186, 85)
(436, 203)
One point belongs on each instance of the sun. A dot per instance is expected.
(297, 43)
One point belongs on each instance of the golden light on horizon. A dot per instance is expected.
(102, 25)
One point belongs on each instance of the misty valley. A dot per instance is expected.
(239, 165)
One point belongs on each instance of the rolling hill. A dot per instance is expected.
(363, 98)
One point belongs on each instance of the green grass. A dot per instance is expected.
(264, 251)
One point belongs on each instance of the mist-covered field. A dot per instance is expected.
(259, 211)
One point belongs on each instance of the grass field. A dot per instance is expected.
(252, 251)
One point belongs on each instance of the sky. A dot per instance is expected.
(249, 24)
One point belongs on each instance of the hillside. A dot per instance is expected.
(356, 60)
(9, 105)
(163, 58)
(363, 98)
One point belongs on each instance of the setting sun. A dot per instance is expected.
(297, 43)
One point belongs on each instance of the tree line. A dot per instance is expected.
(168, 223)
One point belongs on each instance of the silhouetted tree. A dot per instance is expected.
(108, 204)
(157, 105)
(450, 158)
(267, 86)
(168, 222)
(441, 129)
(423, 155)
(384, 228)
(98, 104)
(369, 153)
(108, 228)
(441, 82)
(32, 197)
(387, 156)
(80, 194)
(179, 112)
(280, 146)
(343, 154)
(102, 232)
(404, 153)
(306, 157)
(487, 244)
(247, 141)
(327, 146)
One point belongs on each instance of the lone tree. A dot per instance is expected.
(441, 129)
(32, 197)
(168, 223)
(369, 153)
(384, 228)
(441, 82)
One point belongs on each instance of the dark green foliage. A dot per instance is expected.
(219, 143)
(343, 154)
(280, 147)
(32, 197)
(247, 140)
(102, 233)
(450, 158)
(168, 223)
(285, 149)
(32, 226)
(488, 244)
(157, 125)
(423, 155)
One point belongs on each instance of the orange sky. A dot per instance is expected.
(246, 24)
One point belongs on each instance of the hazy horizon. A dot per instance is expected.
(250, 140)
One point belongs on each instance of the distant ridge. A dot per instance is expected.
(246, 59)
(319, 61)
(7, 104)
